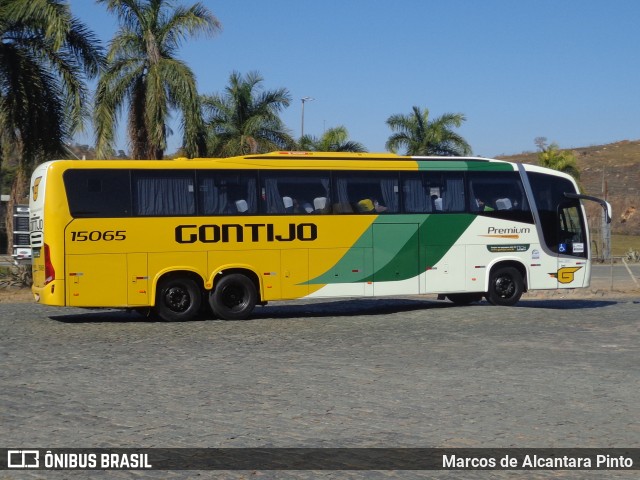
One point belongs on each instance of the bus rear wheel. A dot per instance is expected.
(234, 297)
(505, 286)
(178, 299)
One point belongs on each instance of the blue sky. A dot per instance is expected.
(568, 70)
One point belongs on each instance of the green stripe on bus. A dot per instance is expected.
(404, 246)
(465, 165)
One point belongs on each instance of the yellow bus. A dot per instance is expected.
(184, 238)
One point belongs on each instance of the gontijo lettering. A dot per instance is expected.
(249, 232)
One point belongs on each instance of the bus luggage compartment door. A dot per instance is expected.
(97, 280)
(138, 279)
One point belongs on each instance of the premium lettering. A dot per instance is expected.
(508, 230)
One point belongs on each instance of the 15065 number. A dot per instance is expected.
(97, 235)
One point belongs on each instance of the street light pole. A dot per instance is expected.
(304, 100)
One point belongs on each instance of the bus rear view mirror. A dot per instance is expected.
(606, 206)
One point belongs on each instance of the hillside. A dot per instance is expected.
(614, 168)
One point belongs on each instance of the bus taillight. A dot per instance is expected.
(49, 271)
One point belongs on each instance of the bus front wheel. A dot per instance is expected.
(505, 286)
(178, 299)
(234, 297)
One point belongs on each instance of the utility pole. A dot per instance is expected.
(606, 227)
(304, 100)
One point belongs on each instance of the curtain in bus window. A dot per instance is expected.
(326, 185)
(416, 196)
(163, 195)
(343, 193)
(343, 204)
(274, 201)
(250, 188)
(453, 197)
(389, 188)
(214, 198)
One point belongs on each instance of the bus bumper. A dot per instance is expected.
(50, 294)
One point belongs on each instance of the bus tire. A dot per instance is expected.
(234, 297)
(464, 298)
(505, 286)
(178, 299)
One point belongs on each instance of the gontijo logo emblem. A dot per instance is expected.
(565, 274)
(34, 190)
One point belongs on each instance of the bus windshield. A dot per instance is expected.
(561, 218)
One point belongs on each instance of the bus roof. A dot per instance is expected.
(306, 160)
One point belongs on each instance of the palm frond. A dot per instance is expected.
(150, 33)
(420, 136)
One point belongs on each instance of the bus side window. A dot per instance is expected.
(498, 194)
(226, 193)
(366, 192)
(163, 193)
(98, 193)
(295, 193)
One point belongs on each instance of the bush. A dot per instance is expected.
(18, 276)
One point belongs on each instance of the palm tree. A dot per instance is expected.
(423, 137)
(46, 55)
(245, 119)
(333, 140)
(143, 72)
(562, 160)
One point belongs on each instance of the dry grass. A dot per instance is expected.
(15, 295)
(620, 244)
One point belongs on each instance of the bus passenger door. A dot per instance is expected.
(396, 259)
(138, 279)
(572, 247)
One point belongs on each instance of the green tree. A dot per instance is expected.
(550, 156)
(245, 119)
(420, 136)
(46, 55)
(144, 75)
(333, 140)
